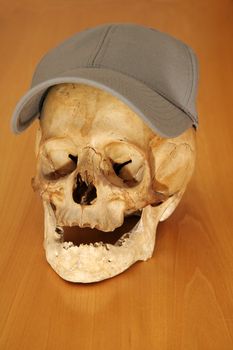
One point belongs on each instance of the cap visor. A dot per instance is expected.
(159, 114)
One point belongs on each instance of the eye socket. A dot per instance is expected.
(118, 166)
(128, 171)
(55, 167)
(57, 158)
(73, 158)
(127, 162)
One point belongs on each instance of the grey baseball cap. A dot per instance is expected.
(155, 74)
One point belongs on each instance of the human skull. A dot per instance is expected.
(99, 165)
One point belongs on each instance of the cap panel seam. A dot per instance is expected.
(91, 61)
(188, 89)
(192, 74)
(192, 58)
(107, 42)
(99, 42)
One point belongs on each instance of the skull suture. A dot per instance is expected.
(98, 164)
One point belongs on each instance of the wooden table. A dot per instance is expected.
(182, 298)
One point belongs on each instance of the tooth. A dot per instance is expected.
(119, 243)
(67, 245)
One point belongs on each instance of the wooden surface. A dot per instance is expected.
(183, 297)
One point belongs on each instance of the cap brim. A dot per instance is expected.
(159, 114)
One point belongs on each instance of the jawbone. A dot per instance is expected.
(95, 262)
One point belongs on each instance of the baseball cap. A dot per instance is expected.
(154, 73)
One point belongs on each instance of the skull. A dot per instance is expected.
(106, 179)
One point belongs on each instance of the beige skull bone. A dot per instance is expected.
(97, 163)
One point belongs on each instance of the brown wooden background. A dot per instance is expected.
(183, 297)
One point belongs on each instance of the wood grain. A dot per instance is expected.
(183, 297)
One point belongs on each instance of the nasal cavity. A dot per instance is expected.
(84, 193)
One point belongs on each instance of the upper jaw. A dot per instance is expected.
(96, 262)
(92, 216)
